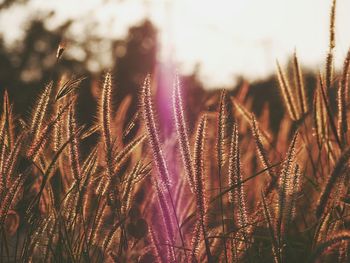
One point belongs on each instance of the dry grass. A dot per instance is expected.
(232, 192)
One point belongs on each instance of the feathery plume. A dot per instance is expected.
(60, 49)
(342, 118)
(98, 222)
(237, 195)
(320, 119)
(283, 193)
(195, 242)
(58, 132)
(11, 159)
(343, 96)
(112, 233)
(287, 94)
(221, 139)
(263, 157)
(222, 129)
(8, 120)
(2, 159)
(198, 158)
(73, 146)
(298, 78)
(182, 133)
(322, 229)
(105, 124)
(199, 167)
(328, 110)
(291, 198)
(152, 131)
(68, 87)
(330, 55)
(40, 110)
(105, 121)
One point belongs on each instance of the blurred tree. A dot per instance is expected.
(135, 57)
(29, 64)
(8, 3)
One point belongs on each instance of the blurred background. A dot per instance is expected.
(213, 44)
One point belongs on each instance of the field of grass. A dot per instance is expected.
(228, 190)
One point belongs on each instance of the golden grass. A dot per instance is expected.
(221, 193)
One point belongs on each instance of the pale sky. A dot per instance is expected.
(227, 37)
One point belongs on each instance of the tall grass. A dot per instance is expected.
(228, 190)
